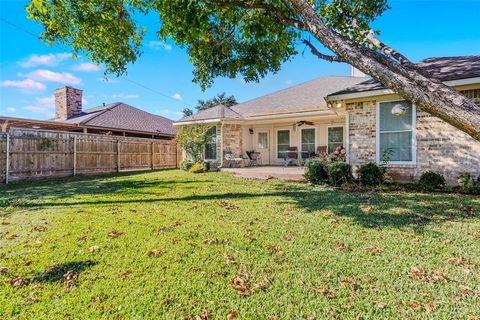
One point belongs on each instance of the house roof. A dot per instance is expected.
(217, 112)
(443, 69)
(304, 96)
(124, 117)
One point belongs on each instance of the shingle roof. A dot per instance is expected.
(443, 69)
(125, 117)
(303, 96)
(217, 112)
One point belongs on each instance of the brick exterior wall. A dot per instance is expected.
(440, 147)
(68, 102)
(232, 138)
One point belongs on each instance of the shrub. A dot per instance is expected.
(196, 168)
(315, 171)
(371, 174)
(186, 165)
(469, 184)
(430, 180)
(206, 166)
(339, 172)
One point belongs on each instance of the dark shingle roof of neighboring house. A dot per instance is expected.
(303, 96)
(124, 117)
(443, 69)
(217, 112)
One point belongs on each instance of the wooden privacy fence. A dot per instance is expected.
(30, 154)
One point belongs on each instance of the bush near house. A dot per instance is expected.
(469, 184)
(371, 174)
(185, 165)
(339, 173)
(315, 171)
(432, 181)
(196, 168)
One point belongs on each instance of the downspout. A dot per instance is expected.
(221, 144)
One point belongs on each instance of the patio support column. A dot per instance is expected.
(347, 137)
(221, 145)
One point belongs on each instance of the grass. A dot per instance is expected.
(170, 244)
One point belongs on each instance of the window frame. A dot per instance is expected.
(258, 140)
(343, 134)
(216, 146)
(414, 134)
(276, 140)
(301, 137)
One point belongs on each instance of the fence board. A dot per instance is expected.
(43, 153)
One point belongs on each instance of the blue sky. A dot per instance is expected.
(162, 76)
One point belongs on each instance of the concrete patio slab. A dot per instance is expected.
(268, 172)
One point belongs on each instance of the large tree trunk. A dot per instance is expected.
(429, 95)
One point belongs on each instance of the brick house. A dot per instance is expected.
(354, 112)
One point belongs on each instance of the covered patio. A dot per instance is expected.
(293, 173)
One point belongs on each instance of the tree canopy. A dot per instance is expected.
(249, 38)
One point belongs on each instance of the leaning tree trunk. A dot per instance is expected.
(428, 94)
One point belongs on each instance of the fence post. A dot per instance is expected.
(7, 161)
(118, 155)
(153, 154)
(74, 156)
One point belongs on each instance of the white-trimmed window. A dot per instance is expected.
(335, 138)
(396, 131)
(283, 143)
(211, 144)
(262, 140)
(308, 142)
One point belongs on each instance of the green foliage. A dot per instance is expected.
(220, 98)
(206, 166)
(191, 138)
(315, 171)
(469, 184)
(185, 165)
(339, 173)
(193, 233)
(222, 38)
(431, 181)
(196, 168)
(187, 112)
(371, 174)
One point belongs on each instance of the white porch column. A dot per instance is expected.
(347, 136)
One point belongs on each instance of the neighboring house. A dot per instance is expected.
(356, 113)
(119, 119)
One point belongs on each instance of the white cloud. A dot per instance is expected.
(40, 109)
(177, 96)
(27, 85)
(46, 101)
(11, 110)
(50, 76)
(157, 45)
(124, 96)
(86, 67)
(50, 60)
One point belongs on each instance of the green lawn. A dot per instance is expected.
(170, 244)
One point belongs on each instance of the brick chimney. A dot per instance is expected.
(68, 103)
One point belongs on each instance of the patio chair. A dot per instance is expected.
(254, 158)
(291, 156)
(232, 160)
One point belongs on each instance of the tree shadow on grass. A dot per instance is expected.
(375, 209)
(63, 271)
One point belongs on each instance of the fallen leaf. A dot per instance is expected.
(446, 241)
(70, 276)
(265, 283)
(17, 282)
(39, 228)
(232, 315)
(115, 234)
(327, 293)
(154, 252)
(227, 205)
(3, 269)
(341, 246)
(213, 241)
(11, 237)
(229, 259)
(456, 261)
(380, 306)
(93, 248)
(367, 209)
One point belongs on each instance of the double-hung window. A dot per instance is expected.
(335, 138)
(396, 131)
(211, 144)
(283, 143)
(308, 142)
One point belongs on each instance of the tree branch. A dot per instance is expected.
(320, 55)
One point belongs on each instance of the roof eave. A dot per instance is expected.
(380, 92)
